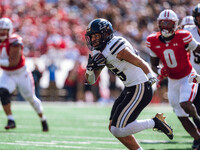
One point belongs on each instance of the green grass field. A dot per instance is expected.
(77, 126)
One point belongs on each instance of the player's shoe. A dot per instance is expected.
(45, 126)
(11, 125)
(195, 144)
(162, 126)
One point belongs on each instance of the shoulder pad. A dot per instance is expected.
(185, 35)
(150, 39)
(116, 44)
(190, 27)
(182, 32)
(152, 35)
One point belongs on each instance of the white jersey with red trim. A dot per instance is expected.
(194, 57)
(4, 51)
(128, 73)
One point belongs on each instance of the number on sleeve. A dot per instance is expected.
(196, 58)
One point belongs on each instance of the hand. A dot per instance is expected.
(160, 78)
(91, 65)
(96, 61)
(194, 78)
(163, 72)
(153, 80)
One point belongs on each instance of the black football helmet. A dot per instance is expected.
(195, 13)
(104, 28)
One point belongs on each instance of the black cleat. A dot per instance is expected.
(45, 126)
(162, 126)
(10, 125)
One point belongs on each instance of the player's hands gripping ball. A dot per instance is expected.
(97, 61)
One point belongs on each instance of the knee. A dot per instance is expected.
(4, 96)
(117, 132)
(186, 106)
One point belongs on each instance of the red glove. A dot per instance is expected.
(163, 72)
(160, 78)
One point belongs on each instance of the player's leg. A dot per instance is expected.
(27, 90)
(5, 100)
(188, 92)
(129, 141)
(7, 86)
(196, 103)
(174, 91)
(124, 122)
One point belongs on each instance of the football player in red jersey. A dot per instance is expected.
(15, 74)
(171, 46)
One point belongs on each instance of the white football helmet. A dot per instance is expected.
(6, 23)
(188, 20)
(167, 22)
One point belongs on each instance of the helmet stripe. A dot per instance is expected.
(167, 13)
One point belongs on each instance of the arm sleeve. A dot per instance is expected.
(152, 54)
(192, 45)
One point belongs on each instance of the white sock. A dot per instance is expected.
(139, 125)
(140, 148)
(10, 117)
(133, 127)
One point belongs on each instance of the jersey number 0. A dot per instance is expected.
(170, 58)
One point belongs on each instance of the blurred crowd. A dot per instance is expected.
(56, 28)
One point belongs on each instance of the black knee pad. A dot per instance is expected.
(4, 96)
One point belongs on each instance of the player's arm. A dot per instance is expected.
(94, 68)
(154, 63)
(193, 45)
(14, 54)
(92, 76)
(198, 48)
(132, 58)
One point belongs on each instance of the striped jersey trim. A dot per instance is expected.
(116, 46)
(193, 92)
(131, 106)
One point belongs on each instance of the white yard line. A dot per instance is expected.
(59, 136)
(56, 146)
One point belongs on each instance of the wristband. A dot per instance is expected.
(149, 75)
(89, 72)
(4, 62)
(159, 71)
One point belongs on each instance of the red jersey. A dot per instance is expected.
(4, 51)
(173, 55)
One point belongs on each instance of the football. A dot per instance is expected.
(99, 59)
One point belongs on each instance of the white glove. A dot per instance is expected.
(194, 78)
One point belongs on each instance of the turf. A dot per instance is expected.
(82, 126)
